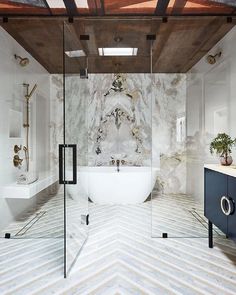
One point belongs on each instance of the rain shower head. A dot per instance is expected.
(211, 59)
(23, 61)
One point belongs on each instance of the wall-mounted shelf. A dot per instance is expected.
(20, 191)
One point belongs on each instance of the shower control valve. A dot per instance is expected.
(17, 161)
(17, 148)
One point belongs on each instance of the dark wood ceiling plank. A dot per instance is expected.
(162, 37)
(42, 39)
(209, 36)
(162, 7)
(179, 44)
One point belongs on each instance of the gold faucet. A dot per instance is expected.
(17, 148)
(17, 161)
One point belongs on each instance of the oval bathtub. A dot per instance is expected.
(104, 185)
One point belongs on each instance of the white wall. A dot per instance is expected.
(12, 101)
(211, 105)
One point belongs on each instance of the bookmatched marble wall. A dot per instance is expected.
(138, 118)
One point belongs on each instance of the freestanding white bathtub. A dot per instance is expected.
(104, 185)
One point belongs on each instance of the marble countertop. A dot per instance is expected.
(228, 170)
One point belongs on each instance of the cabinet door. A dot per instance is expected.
(215, 188)
(232, 216)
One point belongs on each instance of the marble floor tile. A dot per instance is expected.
(120, 256)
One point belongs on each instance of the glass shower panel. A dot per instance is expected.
(75, 146)
(176, 212)
(31, 199)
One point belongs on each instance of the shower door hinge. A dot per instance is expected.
(85, 219)
(164, 235)
(7, 235)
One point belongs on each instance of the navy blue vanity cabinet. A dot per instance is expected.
(215, 188)
(219, 203)
(231, 233)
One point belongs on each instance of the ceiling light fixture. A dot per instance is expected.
(118, 51)
(75, 53)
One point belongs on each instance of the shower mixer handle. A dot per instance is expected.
(17, 148)
(17, 161)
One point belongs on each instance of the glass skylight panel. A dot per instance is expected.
(118, 51)
(75, 53)
(56, 3)
(82, 3)
(37, 3)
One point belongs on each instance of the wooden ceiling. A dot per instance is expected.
(180, 42)
(116, 7)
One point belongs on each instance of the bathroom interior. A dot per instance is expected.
(107, 113)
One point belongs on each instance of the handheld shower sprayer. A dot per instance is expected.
(29, 94)
(26, 125)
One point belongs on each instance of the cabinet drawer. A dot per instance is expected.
(215, 188)
(232, 218)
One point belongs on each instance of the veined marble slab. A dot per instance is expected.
(228, 170)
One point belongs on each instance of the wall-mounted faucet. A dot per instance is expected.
(117, 162)
(17, 148)
(118, 165)
(17, 161)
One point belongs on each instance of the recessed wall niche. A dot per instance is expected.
(15, 124)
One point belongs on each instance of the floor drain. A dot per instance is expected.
(28, 226)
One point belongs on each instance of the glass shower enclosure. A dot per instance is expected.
(73, 152)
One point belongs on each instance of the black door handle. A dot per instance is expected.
(62, 164)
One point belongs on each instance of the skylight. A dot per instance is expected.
(56, 3)
(75, 53)
(82, 3)
(118, 51)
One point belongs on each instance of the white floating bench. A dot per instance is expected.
(27, 191)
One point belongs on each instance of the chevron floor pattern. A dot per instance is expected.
(120, 257)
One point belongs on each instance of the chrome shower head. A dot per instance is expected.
(23, 61)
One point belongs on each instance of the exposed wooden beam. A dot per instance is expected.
(101, 7)
(71, 7)
(48, 7)
(162, 7)
(178, 6)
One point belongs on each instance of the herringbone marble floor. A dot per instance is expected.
(120, 257)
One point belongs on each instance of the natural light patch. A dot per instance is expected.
(75, 53)
(118, 51)
(142, 5)
(82, 3)
(56, 3)
(37, 3)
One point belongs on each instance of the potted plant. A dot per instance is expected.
(222, 144)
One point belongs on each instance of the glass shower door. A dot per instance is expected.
(73, 153)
